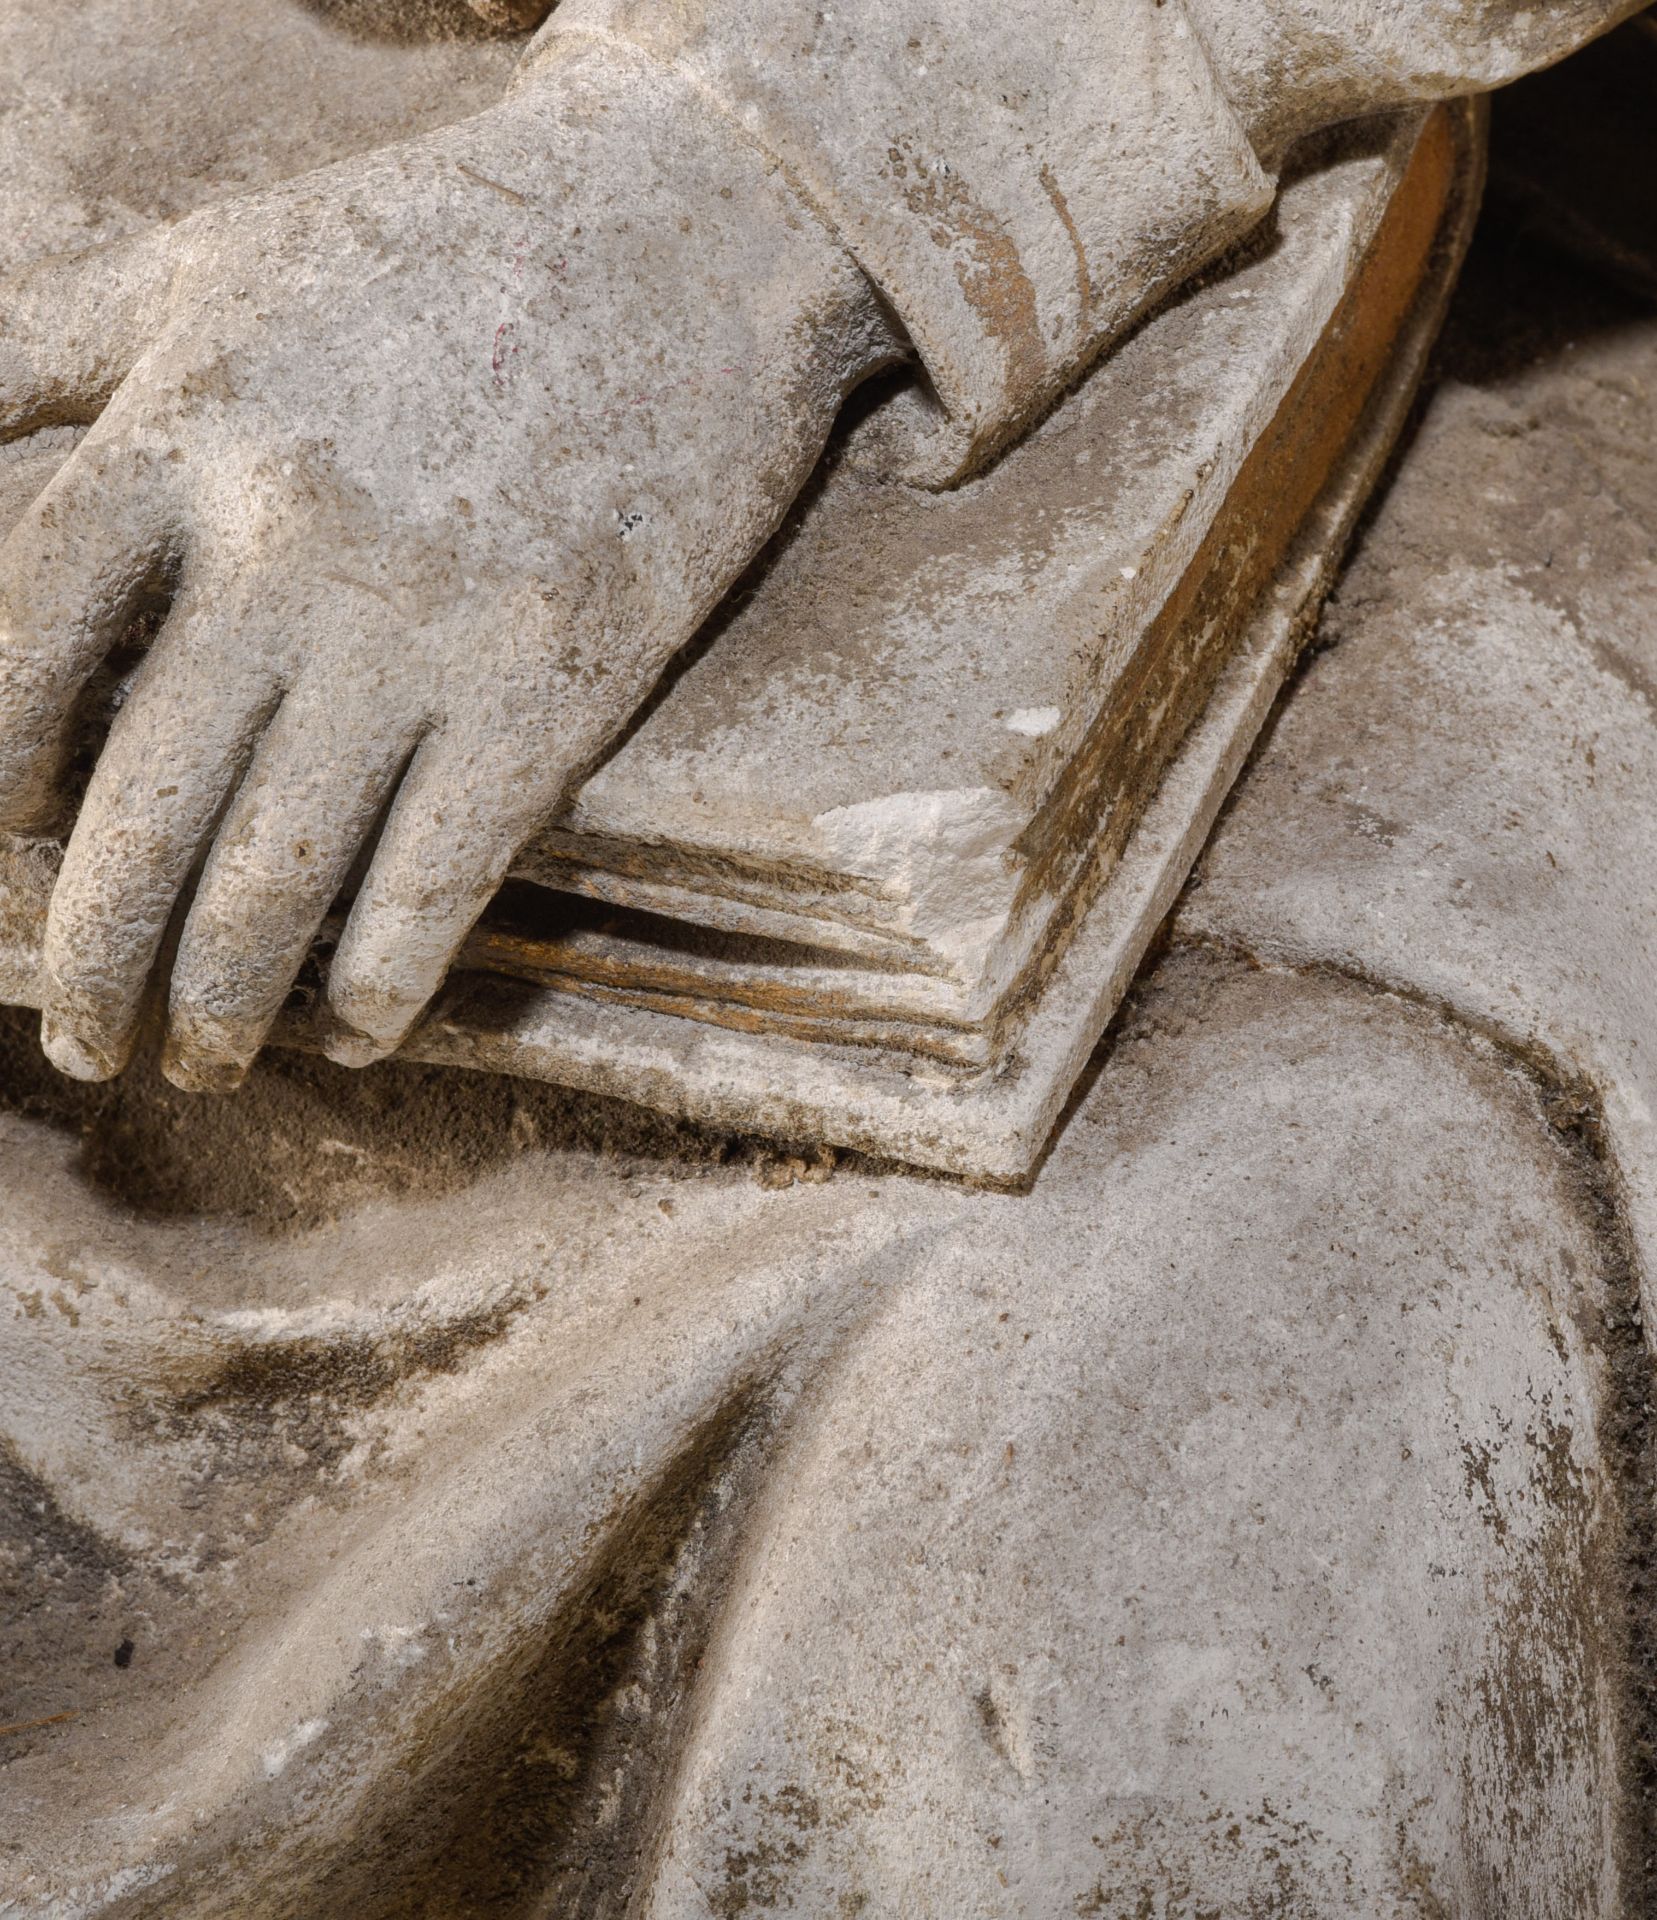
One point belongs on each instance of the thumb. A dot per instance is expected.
(72, 326)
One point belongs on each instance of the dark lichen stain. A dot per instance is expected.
(401, 1131)
(535, 1787)
(350, 1372)
(286, 1412)
(1479, 1480)
(783, 1825)
(1267, 1863)
(756, 1876)
(67, 1596)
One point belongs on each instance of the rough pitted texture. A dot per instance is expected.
(605, 1528)
(1459, 797)
(1021, 182)
(1014, 205)
(426, 1497)
(498, 1502)
(118, 113)
(1043, 640)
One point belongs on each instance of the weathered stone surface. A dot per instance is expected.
(1458, 800)
(919, 748)
(428, 1496)
(423, 320)
(118, 113)
(1236, 1513)
(422, 467)
(1065, 1600)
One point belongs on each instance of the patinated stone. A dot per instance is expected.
(436, 1494)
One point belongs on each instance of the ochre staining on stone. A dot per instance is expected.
(985, 262)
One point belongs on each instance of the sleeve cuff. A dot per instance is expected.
(1019, 183)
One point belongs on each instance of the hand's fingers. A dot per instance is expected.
(71, 329)
(312, 797)
(72, 573)
(452, 834)
(172, 759)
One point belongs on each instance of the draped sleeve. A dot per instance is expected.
(1018, 181)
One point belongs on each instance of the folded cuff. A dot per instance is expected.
(1018, 182)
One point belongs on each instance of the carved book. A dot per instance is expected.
(880, 858)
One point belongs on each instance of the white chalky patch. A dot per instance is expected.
(1033, 721)
(276, 1757)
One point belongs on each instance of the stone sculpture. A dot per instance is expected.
(436, 1498)
(301, 438)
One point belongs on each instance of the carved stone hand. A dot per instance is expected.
(437, 456)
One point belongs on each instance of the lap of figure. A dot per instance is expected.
(1224, 1529)
(1231, 1524)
